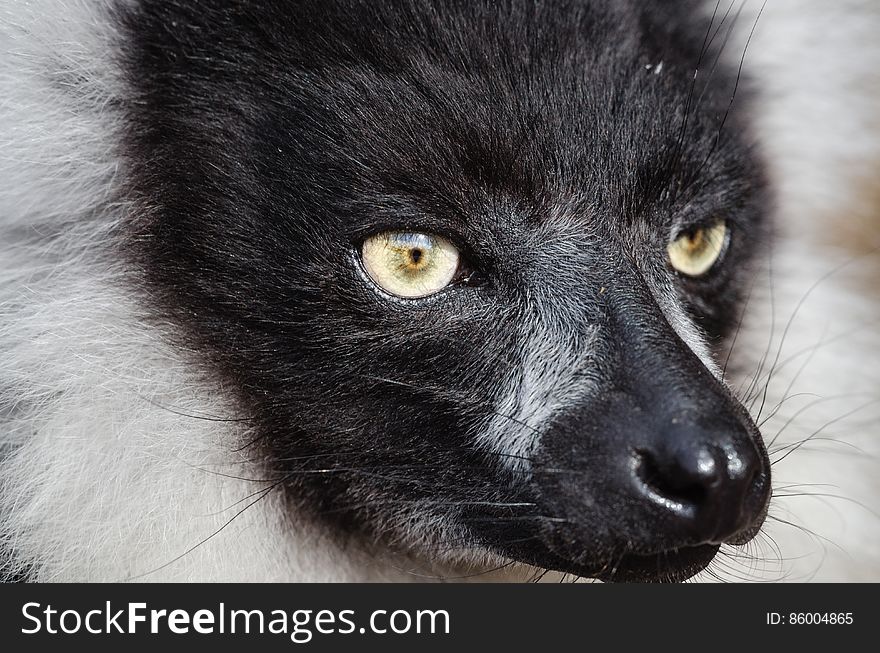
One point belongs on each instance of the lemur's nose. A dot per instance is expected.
(712, 487)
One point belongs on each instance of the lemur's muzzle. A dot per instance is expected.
(658, 467)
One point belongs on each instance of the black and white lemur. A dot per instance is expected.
(407, 289)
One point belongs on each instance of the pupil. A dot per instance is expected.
(415, 256)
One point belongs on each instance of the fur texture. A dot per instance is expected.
(117, 463)
(123, 454)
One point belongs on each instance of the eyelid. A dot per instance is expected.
(463, 241)
(681, 227)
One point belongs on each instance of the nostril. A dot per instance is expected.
(713, 491)
(688, 484)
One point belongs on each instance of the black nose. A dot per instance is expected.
(709, 488)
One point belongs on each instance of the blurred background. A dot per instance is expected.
(808, 358)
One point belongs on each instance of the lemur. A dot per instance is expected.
(408, 289)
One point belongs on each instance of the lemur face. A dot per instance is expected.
(464, 266)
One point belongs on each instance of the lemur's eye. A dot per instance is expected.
(695, 251)
(410, 264)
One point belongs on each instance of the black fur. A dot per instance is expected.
(267, 139)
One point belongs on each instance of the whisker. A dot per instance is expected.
(205, 540)
(822, 428)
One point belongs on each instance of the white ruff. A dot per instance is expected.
(102, 477)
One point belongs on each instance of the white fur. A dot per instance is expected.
(552, 374)
(102, 476)
(689, 333)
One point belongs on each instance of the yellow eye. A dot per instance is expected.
(410, 264)
(695, 252)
